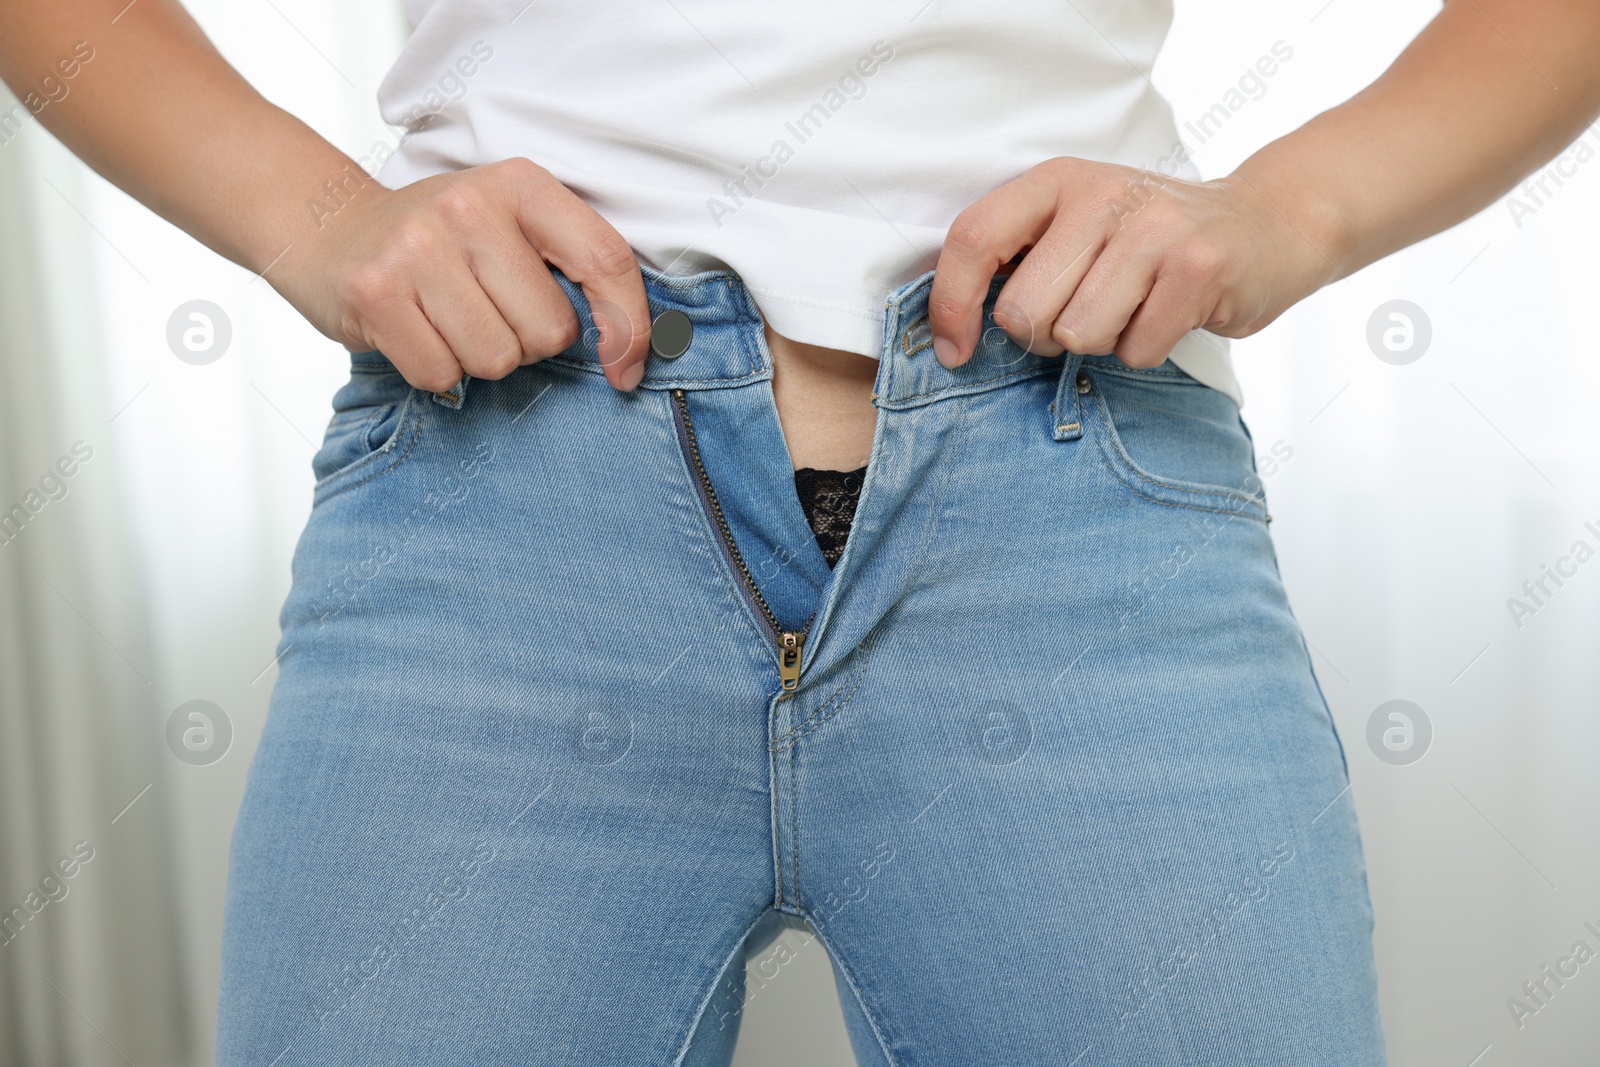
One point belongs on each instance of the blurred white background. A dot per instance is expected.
(1417, 500)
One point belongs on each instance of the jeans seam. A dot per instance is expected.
(747, 316)
(409, 415)
(836, 701)
(734, 959)
(1189, 507)
(962, 388)
(1142, 374)
(855, 988)
(1116, 460)
(777, 836)
(794, 822)
(728, 580)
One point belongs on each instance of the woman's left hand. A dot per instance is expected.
(1119, 260)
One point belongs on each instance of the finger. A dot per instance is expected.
(1168, 314)
(1031, 301)
(527, 297)
(1105, 300)
(478, 335)
(588, 249)
(981, 238)
(1097, 203)
(406, 337)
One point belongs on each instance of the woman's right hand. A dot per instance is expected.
(448, 276)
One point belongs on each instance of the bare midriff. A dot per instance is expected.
(824, 399)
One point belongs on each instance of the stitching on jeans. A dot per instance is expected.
(1136, 491)
(416, 436)
(836, 703)
(837, 696)
(933, 511)
(1120, 459)
(733, 959)
(657, 384)
(1133, 467)
(777, 845)
(855, 988)
(957, 388)
(1122, 370)
(843, 695)
(747, 345)
(794, 822)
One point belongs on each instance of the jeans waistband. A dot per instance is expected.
(729, 348)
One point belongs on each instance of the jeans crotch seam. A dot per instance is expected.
(794, 821)
(777, 829)
(734, 959)
(855, 989)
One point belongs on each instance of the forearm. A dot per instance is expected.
(1486, 93)
(161, 114)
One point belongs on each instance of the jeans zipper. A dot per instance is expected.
(790, 644)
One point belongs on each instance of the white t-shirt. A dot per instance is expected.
(821, 150)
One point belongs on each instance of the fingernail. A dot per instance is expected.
(944, 350)
(631, 377)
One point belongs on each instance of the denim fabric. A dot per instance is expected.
(1056, 784)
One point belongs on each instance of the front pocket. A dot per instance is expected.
(377, 418)
(1170, 439)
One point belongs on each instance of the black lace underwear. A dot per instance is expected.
(829, 499)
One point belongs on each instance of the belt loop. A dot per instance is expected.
(1067, 410)
(455, 395)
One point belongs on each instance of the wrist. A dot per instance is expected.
(1310, 213)
(312, 193)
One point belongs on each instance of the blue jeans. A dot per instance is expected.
(572, 715)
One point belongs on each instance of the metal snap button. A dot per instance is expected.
(671, 334)
(1083, 381)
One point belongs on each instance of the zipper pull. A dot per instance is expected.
(790, 645)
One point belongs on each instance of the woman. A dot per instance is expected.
(585, 693)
